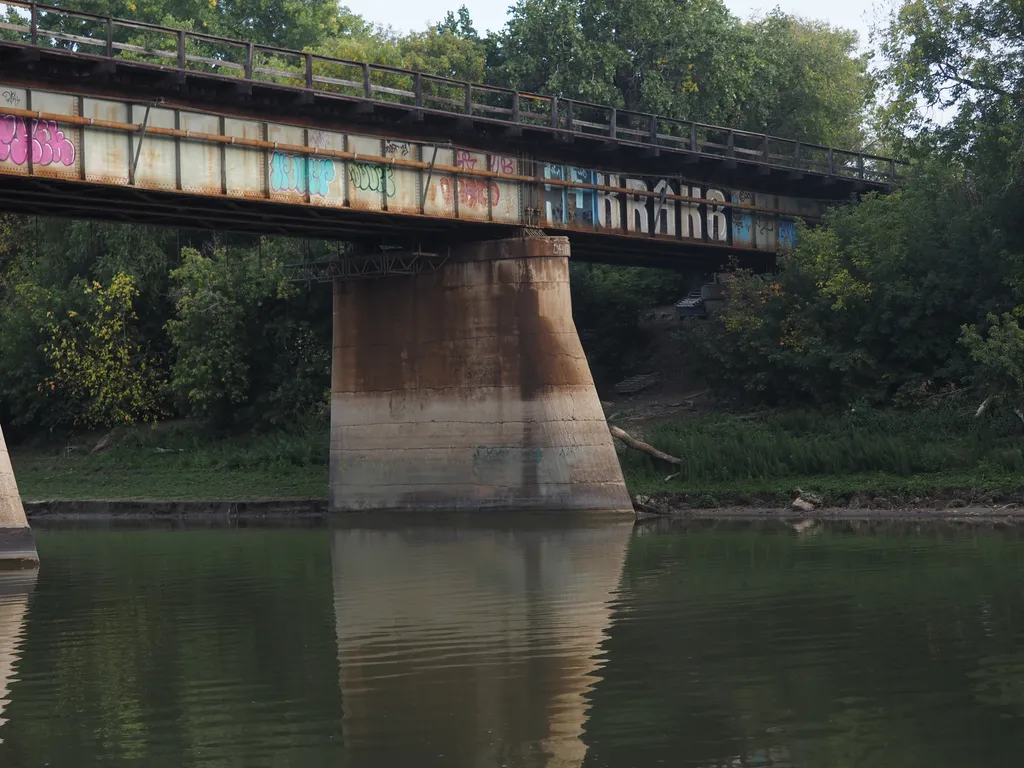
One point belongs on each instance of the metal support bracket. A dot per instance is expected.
(142, 135)
(385, 263)
(430, 173)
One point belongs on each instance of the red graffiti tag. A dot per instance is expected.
(472, 192)
(503, 165)
(48, 144)
(465, 160)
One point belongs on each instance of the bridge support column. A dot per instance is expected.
(17, 546)
(467, 389)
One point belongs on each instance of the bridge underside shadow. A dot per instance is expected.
(467, 389)
(368, 230)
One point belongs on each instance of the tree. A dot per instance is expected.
(872, 304)
(809, 82)
(441, 52)
(97, 360)
(459, 24)
(689, 60)
(285, 23)
(959, 57)
(241, 357)
(999, 354)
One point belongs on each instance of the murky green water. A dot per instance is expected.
(493, 645)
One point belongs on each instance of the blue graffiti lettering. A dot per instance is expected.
(293, 173)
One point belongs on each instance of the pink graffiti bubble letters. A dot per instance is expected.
(48, 144)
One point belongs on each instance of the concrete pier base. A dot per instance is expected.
(467, 389)
(17, 546)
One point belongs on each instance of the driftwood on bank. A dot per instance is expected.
(1018, 412)
(984, 407)
(639, 445)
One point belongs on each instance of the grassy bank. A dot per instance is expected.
(858, 456)
(176, 463)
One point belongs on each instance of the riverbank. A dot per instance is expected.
(314, 511)
(175, 462)
(935, 459)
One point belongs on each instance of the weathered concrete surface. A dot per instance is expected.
(468, 389)
(17, 547)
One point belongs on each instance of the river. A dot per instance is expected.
(515, 643)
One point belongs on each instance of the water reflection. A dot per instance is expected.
(481, 645)
(15, 589)
(472, 648)
(172, 649)
(897, 647)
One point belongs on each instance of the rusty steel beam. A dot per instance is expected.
(142, 129)
(385, 263)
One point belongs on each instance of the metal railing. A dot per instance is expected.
(108, 37)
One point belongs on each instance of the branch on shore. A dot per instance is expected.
(984, 406)
(639, 445)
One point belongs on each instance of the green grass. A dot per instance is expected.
(176, 463)
(905, 457)
(926, 454)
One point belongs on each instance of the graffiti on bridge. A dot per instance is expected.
(372, 178)
(40, 140)
(472, 192)
(293, 173)
(412, 177)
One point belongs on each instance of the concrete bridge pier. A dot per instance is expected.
(467, 389)
(17, 546)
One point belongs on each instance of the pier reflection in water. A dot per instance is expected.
(484, 645)
(15, 588)
(472, 648)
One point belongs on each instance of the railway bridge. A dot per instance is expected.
(458, 379)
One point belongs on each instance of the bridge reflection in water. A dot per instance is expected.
(15, 589)
(690, 646)
(472, 648)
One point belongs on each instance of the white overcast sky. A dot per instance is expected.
(405, 15)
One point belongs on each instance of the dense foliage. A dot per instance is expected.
(918, 292)
(690, 59)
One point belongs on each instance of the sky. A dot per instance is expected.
(405, 15)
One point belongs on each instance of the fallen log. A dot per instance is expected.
(639, 445)
(984, 406)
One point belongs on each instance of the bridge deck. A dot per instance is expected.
(556, 146)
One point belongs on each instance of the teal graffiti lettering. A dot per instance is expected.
(292, 173)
